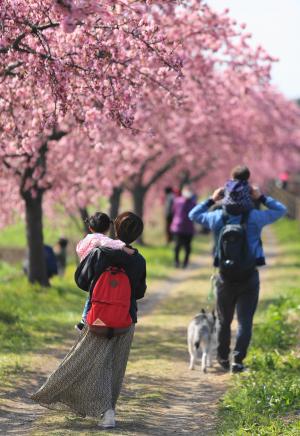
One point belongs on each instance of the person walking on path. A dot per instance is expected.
(89, 379)
(169, 199)
(241, 292)
(182, 227)
(61, 255)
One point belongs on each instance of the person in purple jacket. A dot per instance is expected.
(241, 295)
(182, 227)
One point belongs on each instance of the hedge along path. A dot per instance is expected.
(160, 395)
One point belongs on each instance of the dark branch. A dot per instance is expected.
(163, 170)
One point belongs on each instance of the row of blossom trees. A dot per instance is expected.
(97, 98)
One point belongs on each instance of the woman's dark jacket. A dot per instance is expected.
(99, 259)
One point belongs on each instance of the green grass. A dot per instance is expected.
(8, 271)
(159, 261)
(31, 316)
(266, 401)
(288, 232)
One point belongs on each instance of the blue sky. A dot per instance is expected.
(274, 24)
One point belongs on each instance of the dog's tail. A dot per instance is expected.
(202, 337)
(197, 338)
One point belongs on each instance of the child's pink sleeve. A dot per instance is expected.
(91, 241)
(83, 248)
(115, 244)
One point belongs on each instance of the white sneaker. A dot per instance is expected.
(108, 419)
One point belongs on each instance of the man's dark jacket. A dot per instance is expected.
(99, 259)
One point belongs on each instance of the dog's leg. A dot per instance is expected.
(209, 356)
(192, 357)
(204, 359)
(192, 361)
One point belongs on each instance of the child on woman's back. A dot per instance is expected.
(98, 225)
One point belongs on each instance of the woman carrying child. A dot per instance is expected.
(89, 379)
(98, 225)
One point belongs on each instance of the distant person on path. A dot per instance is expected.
(50, 259)
(99, 225)
(284, 180)
(51, 262)
(61, 255)
(182, 227)
(89, 379)
(238, 279)
(169, 200)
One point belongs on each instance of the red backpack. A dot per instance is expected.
(109, 312)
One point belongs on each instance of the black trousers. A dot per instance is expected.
(182, 240)
(169, 234)
(243, 297)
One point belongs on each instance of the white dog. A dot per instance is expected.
(202, 334)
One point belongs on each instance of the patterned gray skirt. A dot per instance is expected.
(89, 379)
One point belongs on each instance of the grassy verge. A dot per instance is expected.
(32, 318)
(266, 401)
(8, 271)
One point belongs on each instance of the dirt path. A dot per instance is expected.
(185, 401)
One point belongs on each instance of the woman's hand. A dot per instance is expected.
(128, 250)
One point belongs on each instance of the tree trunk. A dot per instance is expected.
(114, 206)
(37, 270)
(84, 215)
(185, 179)
(138, 195)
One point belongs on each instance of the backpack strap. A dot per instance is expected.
(225, 217)
(245, 217)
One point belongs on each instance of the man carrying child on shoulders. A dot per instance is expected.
(237, 228)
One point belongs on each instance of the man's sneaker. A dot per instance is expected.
(79, 326)
(237, 367)
(108, 420)
(224, 363)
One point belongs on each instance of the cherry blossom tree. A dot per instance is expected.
(69, 57)
(98, 96)
(255, 127)
(26, 129)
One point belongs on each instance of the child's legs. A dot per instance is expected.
(87, 307)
